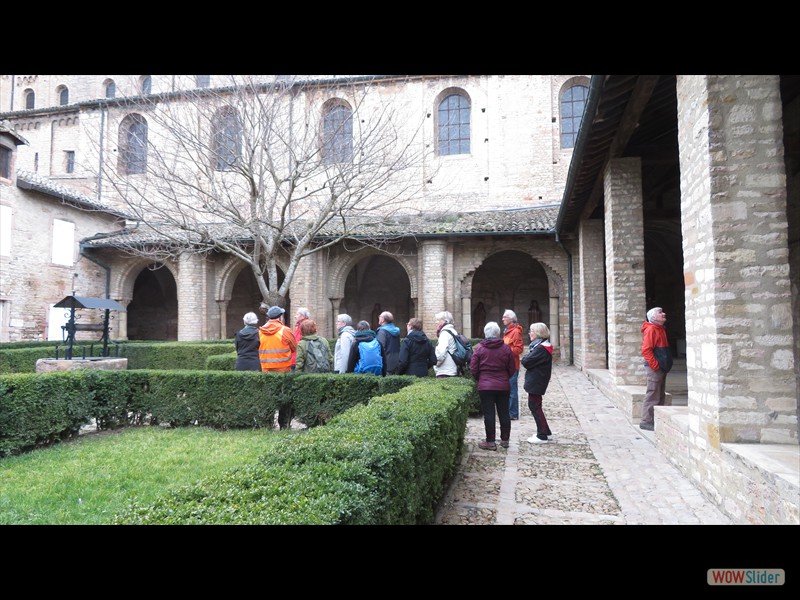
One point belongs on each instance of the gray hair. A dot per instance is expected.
(540, 330)
(444, 316)
(363, 326)
(652, 313)
(304, 312)
(491, 330)
(510, 314)
(346, 319)
(250, 318)
(387, 316)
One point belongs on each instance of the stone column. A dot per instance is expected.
(433, 259)
(335, 304)
(120, 321)
(625, 282)
(222, 306)
(739, 353)
(192, 313)
(555, 326)
(592, 354)
(466, 316)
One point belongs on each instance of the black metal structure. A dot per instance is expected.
(71, 328)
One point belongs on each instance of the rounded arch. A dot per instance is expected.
(341, 268)
(508, 279)
(378, 282)
(555, 278)
(124, 281)
(152, 313)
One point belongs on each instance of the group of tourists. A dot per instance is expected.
(494, 364)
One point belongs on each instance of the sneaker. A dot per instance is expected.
(504, 443)
(515, 418)
(647, 426)
(484, 445)
(536, 440)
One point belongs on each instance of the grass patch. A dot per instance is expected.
(88, 481)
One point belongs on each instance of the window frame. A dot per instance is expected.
(227, 126)
(131, 155)
(336, 144)
(30, 99)
(63, 95)
(449, 145)
(571, 119)
(110, 85)
(63, 243)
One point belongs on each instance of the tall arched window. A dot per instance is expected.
(111, 89)
(145, 84)
(63, 95)
(337, 134)
(30, 99)
(453, 125)
(573, 101)
(132, 145)
(226, 139)
(203, 81)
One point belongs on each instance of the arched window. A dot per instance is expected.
(573, 101)
(203, 81)
(226, 140)
(30, 99)
(63, 95)
(145, 84)
(337, 134)
(453, 125)
(132, 145)
(111, 89)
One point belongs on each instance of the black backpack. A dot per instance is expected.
(317, 357)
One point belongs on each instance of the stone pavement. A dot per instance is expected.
(597, 469)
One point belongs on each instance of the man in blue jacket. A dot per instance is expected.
(389, 339)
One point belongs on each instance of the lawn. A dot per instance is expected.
(89, 480)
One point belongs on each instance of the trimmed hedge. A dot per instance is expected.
(140, 355)
(33, 405)
(383, 463)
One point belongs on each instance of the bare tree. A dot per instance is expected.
(267, 172)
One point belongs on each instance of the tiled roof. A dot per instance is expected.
(28, 180)
(539, 220)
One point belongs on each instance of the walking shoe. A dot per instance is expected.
(504, 443)
(515, 418)
(536, 440)
(484, 445)
(647, 426)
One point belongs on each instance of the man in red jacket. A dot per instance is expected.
(658, 361)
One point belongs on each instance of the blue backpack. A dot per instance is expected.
(369, 357)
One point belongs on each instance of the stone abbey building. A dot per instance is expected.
(677, 191)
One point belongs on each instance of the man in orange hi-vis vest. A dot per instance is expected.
(276, 345)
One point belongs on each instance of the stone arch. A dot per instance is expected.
(371, 282)
(342, 267)
(152, 313)
(122, 285)
(508, 279)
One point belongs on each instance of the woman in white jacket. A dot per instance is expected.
(445, 365)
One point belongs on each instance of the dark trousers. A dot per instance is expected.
(491, 401)
(285, 416)
(542, 428)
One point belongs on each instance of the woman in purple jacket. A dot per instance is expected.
(492, 365)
